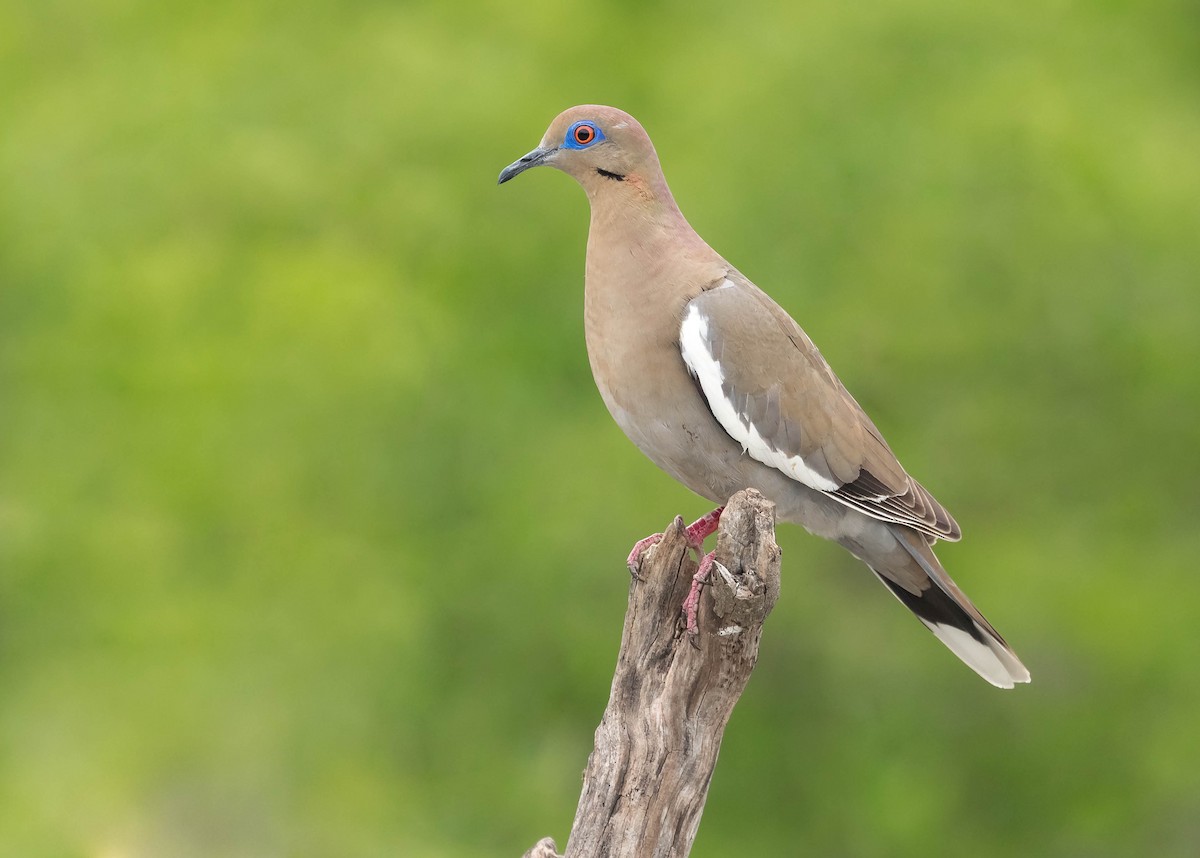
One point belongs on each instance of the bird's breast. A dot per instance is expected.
(633, 348)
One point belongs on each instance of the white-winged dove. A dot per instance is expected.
(720, 388)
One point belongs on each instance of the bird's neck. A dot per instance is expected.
(636, 225)
(641, 257)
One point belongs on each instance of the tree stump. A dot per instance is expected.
(656, 747)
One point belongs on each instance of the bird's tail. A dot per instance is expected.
(918, 580)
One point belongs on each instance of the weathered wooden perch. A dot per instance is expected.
(647, 778)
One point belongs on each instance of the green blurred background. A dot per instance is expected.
(312, 522)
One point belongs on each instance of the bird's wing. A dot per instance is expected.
(770, 389)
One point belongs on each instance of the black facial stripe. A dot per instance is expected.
(606, 174)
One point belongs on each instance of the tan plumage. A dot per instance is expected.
(720, 387)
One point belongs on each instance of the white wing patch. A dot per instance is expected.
(703, 364)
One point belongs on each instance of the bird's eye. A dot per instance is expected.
(583, 134)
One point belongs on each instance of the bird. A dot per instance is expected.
(721, 388)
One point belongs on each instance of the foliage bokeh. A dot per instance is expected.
(311, 521)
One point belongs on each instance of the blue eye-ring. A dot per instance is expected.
(582, 135)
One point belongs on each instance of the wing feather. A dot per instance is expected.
(772, 391)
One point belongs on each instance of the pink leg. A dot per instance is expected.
(691, 605)
(697, 532)
(702, 528)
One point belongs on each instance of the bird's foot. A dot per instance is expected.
(634, 561)
(697, 532)
(691, 604)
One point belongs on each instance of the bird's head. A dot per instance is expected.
(600, 147)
